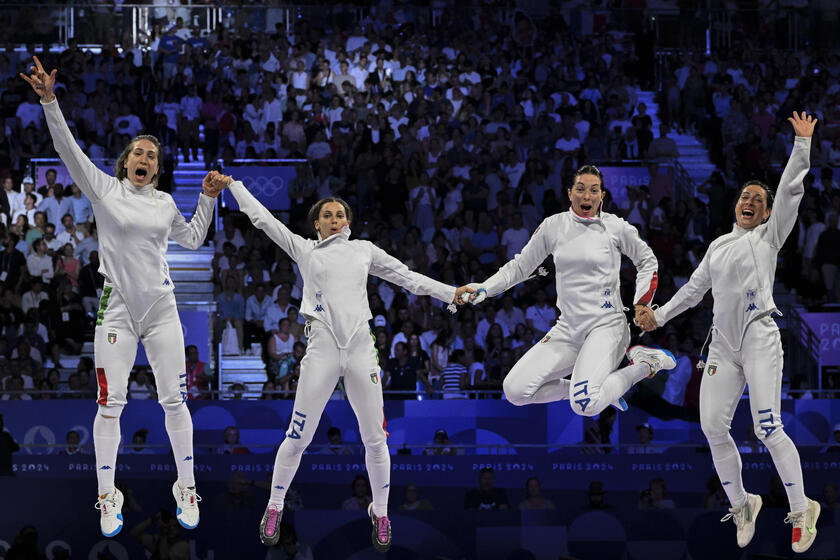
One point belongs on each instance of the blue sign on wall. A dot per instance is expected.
(269, 184)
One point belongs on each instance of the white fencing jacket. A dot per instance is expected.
(587, 259)
(134, 224)
(740, 266)
(335, 271)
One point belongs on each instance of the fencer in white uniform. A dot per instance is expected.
(134, 221)
(740, 267)
(591, 336)
(334, 269)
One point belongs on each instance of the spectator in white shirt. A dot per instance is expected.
(30, 112)
(228, 233)
(39, 263)
(515, 237)
(34, 296)
(188, 131)
(70, 234)
(127, 122)
(82, 208)
(542, 315)
(255, 310)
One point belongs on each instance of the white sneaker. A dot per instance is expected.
(187, 500)
(744, 518)
(110, 508)
(654, 357)
(804, 526)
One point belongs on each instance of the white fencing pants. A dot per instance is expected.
(591, 358)
(759, 364)
(320, 370)
(114, 350)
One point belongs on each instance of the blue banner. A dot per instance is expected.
(827, 327)
(196, 328)
(269, 184)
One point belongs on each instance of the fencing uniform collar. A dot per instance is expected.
(344, 233)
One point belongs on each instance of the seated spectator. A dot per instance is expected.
(361, 498)
(281, 343)
(337, 446)
(486, 496)
(401, 374)
(255, 308)
(33, 297)
(69, 234)
(231, 444)
(290, 546)
(412, 502)
(654, 496)
(288, 370)
(141, 386)
(39, 263)
(834, 442)
(663, 148)
(595, 496)
(230, 310)
(68, 266)
(138, 443)
(440, 445)
(533, 496)
(72, 440)
(198, 379)
(453, 378)
(645, 434)
(14, 389)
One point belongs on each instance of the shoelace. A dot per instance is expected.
(273, 512)
(736, 514)
(103, 503)
(382, 527)
(189, 496)
(796, 519)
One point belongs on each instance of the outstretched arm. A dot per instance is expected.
(395, 271)
(91, 180)
(293, 244)
(192, 234)
(791, 189)
(686, 297)
(646, 265)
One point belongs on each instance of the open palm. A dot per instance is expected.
(803, 125)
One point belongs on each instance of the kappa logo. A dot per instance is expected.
(546, 339)
(751, 307)
(319, 308)
(167, 282)
(711, 370)
(112, 337)
(375, 377)
(105, 468)
(278, 487)
(725, 483)
(607, 305)
(789, 484)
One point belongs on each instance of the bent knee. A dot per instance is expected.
(514, 392)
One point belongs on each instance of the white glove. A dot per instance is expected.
(478, 296)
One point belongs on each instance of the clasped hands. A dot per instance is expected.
(214, 183)
(645, 318)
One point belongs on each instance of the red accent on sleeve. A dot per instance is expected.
(645, 299)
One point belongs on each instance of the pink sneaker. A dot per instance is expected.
(381, 534)
(270, 525)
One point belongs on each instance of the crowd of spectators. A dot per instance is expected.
(451, 142)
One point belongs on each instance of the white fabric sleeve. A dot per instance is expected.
(92, 181)
(522, 265)
(643, 259)
(689, 295)
(191, 234)
(293, 244)
(395, 271)
(789, 194)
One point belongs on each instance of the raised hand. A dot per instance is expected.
(645, 318)
(803, 125)
(214, 183)
(41, 82)
(460, 298)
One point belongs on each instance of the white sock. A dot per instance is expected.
(786, 458)
(727, 462)
(619, 382)
(378, 462)
(286, 464)
(555, 390)
(106, 443)
(179, 426)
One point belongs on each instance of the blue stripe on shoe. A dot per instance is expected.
(115, 531)
(621, 405)
(181, 522)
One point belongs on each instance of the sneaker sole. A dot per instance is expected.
(620, 405)
(116, 531)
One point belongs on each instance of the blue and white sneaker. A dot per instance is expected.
(620, 405)
(655, 358)
(187, 500)
(110, 508)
